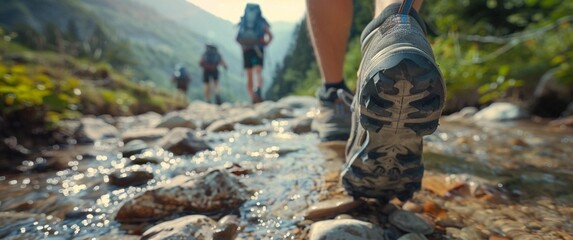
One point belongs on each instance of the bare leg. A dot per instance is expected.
(216, 86)
(207, 92)
(250, 82)
(259, 75)
(329, 22)
(382, 4)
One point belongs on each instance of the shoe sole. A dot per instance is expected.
(400, 102)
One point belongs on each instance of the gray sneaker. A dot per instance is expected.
(333, 120)
(399, 99)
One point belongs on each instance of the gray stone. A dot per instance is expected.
(130, 177)
(411, 222)
(299, 102)
(345, 229)
(194, 227)
(221, 125)
(413, 236)
(94, 129)
(211, 192)
(182, 141)
(330, 208)
(227, 229)
(145, 134)
(551, 96)
(177, 120)
(301, 125)
(501, 111)
(133, 147)
(463, 114)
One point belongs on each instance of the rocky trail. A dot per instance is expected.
(258, 172)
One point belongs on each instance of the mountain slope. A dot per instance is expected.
(155, 43)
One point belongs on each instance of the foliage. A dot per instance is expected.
(38, 89)
(494, 46)
(489, 46)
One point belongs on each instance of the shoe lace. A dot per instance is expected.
(345, 96)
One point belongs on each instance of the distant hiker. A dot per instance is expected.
(181, 78)
(210, 60)
(254, 34)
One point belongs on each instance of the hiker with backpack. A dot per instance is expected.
(210, 62)
(181, 78)
(254, 34)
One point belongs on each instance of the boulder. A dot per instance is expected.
(221, 125)
(177, 119)
(212, 191)
(551, 95)
(146, 120)
(194, 227)
(345, 229)
(133, 147)
(182, 141)
(93, 129)
(133, 176)
(227, 229)
(301, 125)
(144, 134)
(501, 111)
(411, 222)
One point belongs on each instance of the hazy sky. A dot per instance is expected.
(273, 10)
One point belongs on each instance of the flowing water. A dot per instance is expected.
(525, 160)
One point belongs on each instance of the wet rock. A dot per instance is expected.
(301, 125)
(228, 228)
(182, 141)
(465, 113)
(188, 227)
(412, 207)
(343, 216)
(142, 121)
(565, 122)
(213, 191)
(249, 118)
(142, 160)
(50, 161)
(413, 236)
(501, 111)
(331, 208)
(177, 120)
(298, 102)
(349, 229)
(144, 134)
(130, 178)
(411, 222)
(448, 222)
(221, 125)
(441, 185)
(551, 96)
(470, 233)
(93, 129)
(133, 147)
(270, 110)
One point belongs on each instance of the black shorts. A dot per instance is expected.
(253, 57)
(210, 74)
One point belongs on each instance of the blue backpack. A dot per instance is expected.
(211, 58)
(252, 26)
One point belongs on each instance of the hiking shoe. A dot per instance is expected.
(399, 99)
(258, 97)
(333, 119)
(218, 100)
